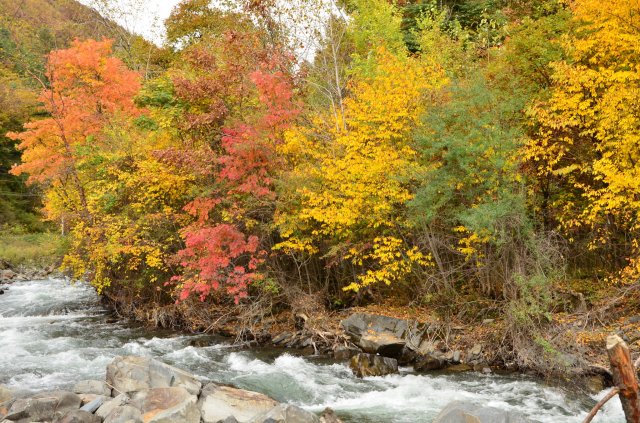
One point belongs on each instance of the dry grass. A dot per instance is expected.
(35, 249)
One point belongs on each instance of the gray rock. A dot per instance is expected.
(429, 362)
(46, 406)
(218, 402)
(79, 416)
(474, 355)
(285, 413)
(96, 387)
(93, 405)
(130, 373)
(124, 414)
(166, 405)
(106, 408)
(364, 365)
(377, 334)
(465, 412)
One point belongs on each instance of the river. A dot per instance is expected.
(53, 333)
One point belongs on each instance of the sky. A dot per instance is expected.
(144, 17)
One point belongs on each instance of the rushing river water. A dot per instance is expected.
(53, 333)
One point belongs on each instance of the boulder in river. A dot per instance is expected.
(466, 412)
(132, 373)
(166, 405)
(364, 365)
(429, 362)
(285, 413)
(218, 402)
(377, 334)
(46, 406)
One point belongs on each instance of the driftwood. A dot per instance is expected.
(625, 379)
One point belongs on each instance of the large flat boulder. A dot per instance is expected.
(46, 406)
(219, 402)
(466, 412)
(167, 405)
(285, 413)
(376, 334)
(364, 365)
(132, 373)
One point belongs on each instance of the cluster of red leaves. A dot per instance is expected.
(224, 252)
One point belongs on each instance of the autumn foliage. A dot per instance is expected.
(394, 151)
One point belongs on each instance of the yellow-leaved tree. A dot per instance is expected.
(351, 169)
(586, 150)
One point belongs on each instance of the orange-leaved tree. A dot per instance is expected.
(85, 91)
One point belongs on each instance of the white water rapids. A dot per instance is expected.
(53, 333)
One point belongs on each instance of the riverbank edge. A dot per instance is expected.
(319, 332)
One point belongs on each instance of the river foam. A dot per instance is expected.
(53, 333)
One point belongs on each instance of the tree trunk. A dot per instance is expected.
(624, 377)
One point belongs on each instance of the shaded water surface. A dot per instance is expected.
(53, 333)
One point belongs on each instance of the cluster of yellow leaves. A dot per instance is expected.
(589, 134)
(351, 180)
(136, 206)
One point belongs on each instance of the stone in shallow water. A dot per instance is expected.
(428, 362)
(218, 402)
(46, 406)
(364, 365)
(465, 412)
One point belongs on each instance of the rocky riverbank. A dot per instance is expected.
(141, 389)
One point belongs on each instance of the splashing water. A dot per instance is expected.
(53, 333)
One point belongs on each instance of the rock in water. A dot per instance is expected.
(46, 406)
(329, 416)
(131, 373)
(219, 402)
(428, 362)
(167, 405)
(285, 413)
(377, 334)
(465, 412)
(372, 365)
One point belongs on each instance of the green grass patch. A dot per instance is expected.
(32, 249)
